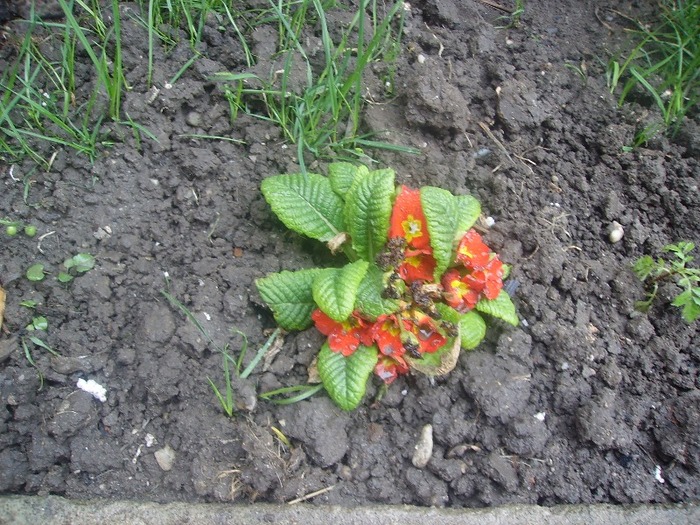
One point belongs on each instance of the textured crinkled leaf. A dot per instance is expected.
(501, 307)
(367, 211)
(369, 296)
(342, 174)
(469, 210)
(448, 218)
(335, 289)
(472, 327)
(437, 363)
(288, 294)
(305, 204)
(472, 330)
(345, 378)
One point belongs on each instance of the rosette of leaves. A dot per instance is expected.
(350, 210)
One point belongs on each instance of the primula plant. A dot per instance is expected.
(417, 280)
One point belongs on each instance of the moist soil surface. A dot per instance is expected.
(588, 400)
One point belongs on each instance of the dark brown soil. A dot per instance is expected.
(587, 401)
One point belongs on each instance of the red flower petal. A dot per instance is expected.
(417, 266)
(424, 330)
(408, 220)
(343, 337)
(344, 342)
(387, 334)
(388, 369)
(458, 293)
(324, 324)
(472, 251)
(494, 278)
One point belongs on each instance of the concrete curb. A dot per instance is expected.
(36, 510)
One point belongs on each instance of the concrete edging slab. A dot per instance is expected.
(34, 510)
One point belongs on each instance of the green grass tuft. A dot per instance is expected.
(664, 65)
(321, 117)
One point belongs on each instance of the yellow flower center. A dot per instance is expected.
(412, 228)
(465, 251)
(459, 287)
(414, 261)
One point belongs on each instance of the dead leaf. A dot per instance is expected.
(272, 352)
(312, 370)
(447, 363)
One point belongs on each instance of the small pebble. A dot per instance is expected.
(587, 372)
(345, 473)
(194, 119)
(424, 447)
(103, 232)
(658, 474)
(421, 59)
(615, 232)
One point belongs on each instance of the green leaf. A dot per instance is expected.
(472, 327)
(64, 277)
(342, 174)
(368, 205)
(335, 289)
(448, 218)
(501, 307)
(38, 323)
(81, 262)
(469, 211)
(41, 344)
(643, 267)
(472, 330)
(288, 294)
(35, 272)
(689, 301)
(279, 396)
(305, 204)
(345, 378)
(369, 296)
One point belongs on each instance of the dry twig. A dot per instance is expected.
(311, 495)
(495, 5)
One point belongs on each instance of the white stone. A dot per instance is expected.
(657, 475)
(424, 447)
(165, 457)
(92, 387)
(615, 232)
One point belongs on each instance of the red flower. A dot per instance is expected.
(423, 331)
(459, 294)
(463, 291)
(419, 265)
(388, 368)
(343, 337)
(408, 220)
(387, 334)
(473, 252)
(487, 281)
